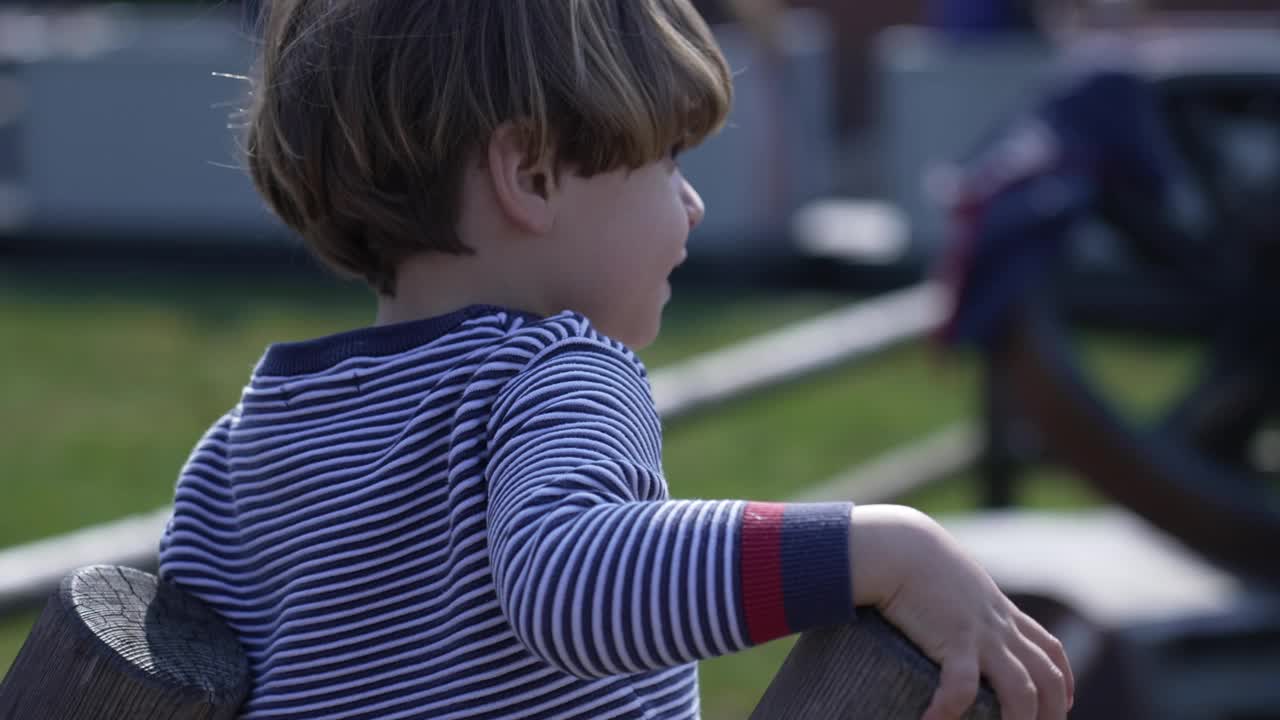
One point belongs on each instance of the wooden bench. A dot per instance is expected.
(114, 642)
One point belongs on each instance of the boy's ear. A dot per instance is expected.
(523, 190)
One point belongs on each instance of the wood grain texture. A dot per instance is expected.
(866, 670)
(114, 642)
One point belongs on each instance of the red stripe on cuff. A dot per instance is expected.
(761, 572)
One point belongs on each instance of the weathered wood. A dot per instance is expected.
(114, 642)
(866, 670)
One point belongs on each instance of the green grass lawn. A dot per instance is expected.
(110, 381)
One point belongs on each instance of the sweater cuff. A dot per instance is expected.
(794, 568)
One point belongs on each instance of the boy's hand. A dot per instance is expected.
(924, 583)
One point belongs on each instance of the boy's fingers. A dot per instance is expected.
(1051, 687)
(1014, 686)
(957, 689)
(1052, 647)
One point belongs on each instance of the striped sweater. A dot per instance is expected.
(466, 517)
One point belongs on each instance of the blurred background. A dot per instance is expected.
(1008, 261)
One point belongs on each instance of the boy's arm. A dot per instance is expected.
(202, 505)
(598, 572)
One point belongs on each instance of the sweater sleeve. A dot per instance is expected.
(597, 571)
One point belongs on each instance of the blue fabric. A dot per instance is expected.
(815, 564)
(466, 516)
(969, 17)
(1107, 140)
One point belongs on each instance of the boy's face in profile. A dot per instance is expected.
(617, 238)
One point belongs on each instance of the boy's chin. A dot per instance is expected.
(635, 331)
(639, 338)
(640, 341)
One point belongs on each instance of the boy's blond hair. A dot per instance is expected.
(365, 112)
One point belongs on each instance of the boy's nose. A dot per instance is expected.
(692, 203)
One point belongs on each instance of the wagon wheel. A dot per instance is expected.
(1205, 469)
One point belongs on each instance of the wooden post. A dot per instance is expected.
(866, 670)
(999, 462)
(115, 642)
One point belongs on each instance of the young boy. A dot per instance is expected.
(460, 512)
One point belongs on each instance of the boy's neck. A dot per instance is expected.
(434, 284)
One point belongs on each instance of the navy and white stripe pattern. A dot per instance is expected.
(466, 517)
